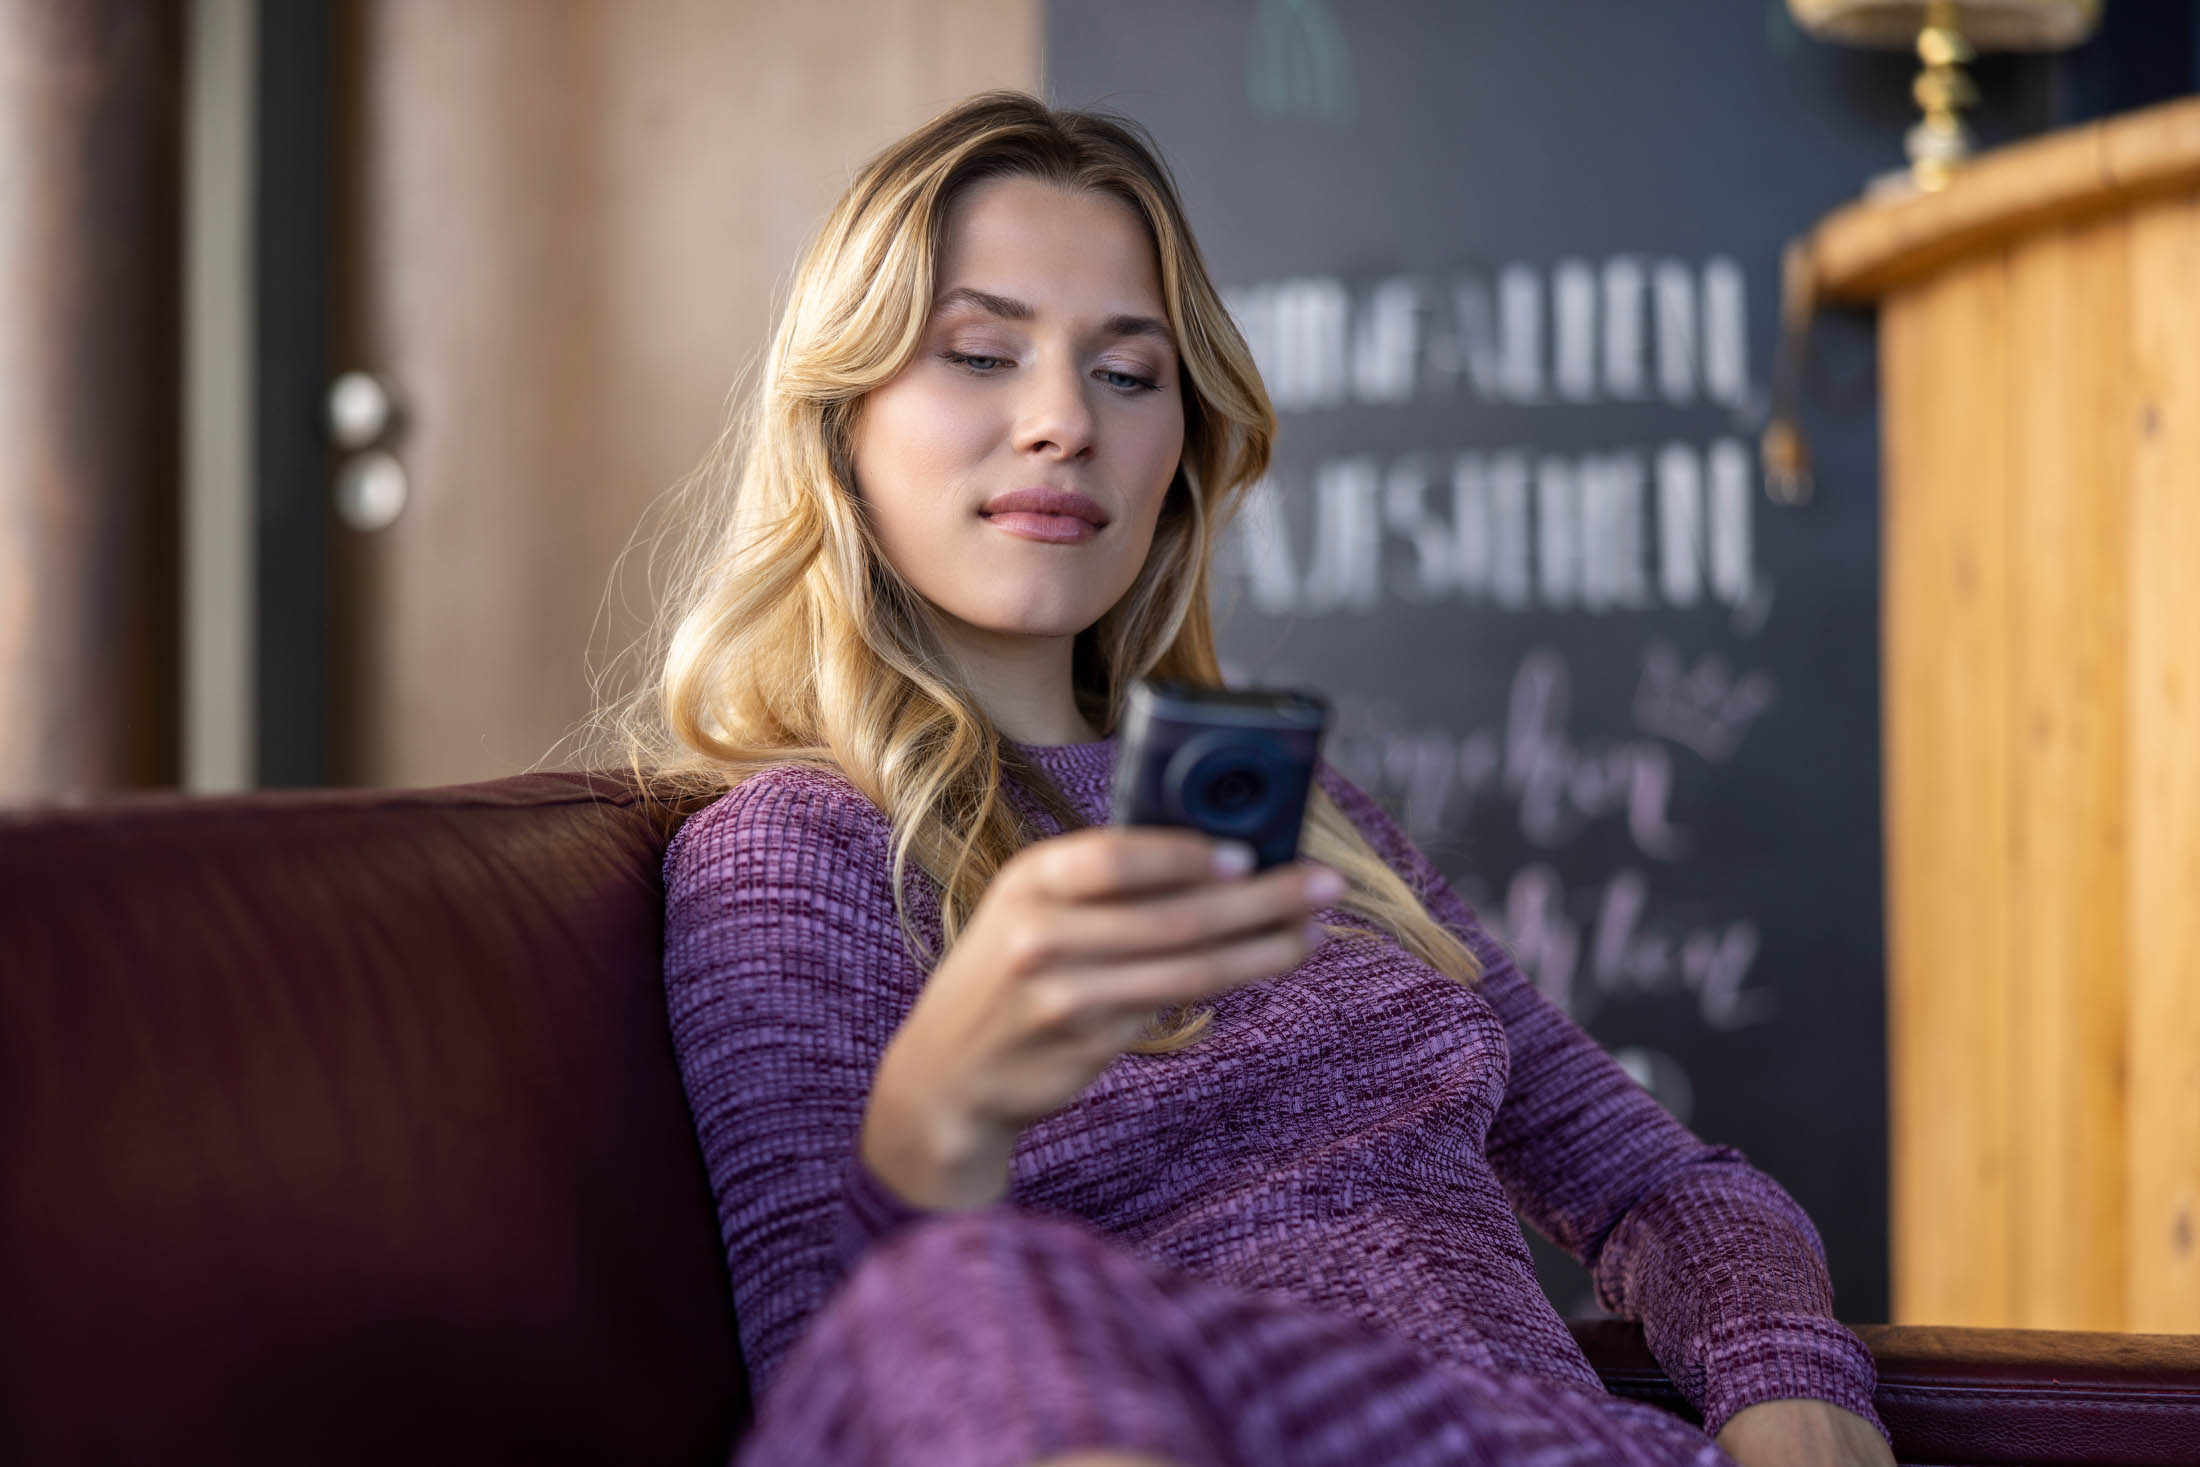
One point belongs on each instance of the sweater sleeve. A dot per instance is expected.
(1723, 1269)
(785, 975)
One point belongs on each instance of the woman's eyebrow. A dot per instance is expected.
(1009, 308)
(993, 305)
(1139, 326)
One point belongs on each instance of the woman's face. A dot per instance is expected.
(1047, 372)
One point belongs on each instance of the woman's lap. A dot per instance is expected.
(999, 1338)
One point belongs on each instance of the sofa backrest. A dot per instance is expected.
(344, 1127)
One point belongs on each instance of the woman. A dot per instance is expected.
(1034, 1139)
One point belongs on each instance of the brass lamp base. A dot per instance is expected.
(1938, 145)
(1946, 34)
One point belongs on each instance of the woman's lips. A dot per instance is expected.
(1057, 529)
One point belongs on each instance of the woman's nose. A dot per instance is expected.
(1055, 415)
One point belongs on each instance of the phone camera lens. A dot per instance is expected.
(1224, 783)
(1234, 789)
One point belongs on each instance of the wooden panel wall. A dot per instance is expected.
(2042, 652)
(1947, 660)
(90, 164)
(2067, 549)
(2163, 1290)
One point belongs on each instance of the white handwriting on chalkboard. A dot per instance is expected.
(1705, 708)
(1526, 529)
(1558, 784)
(1627, 330)
(1602, 532)
(1562, 785)
(1626, 954)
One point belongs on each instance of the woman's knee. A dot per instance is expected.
(991, 1232)
(997, 1249)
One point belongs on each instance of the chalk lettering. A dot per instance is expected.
(1630, 952)
(1705, 708)
(1596, 533)
(1561, 786)
(1574, 332)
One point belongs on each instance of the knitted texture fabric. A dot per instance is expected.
(1359, 1138)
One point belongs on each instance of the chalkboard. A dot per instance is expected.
(1511, 271)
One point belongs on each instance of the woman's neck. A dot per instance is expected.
(1023, 684)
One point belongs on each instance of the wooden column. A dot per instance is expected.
(89, 229)
(2040, 355)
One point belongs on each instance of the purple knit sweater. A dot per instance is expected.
(1358, 1134)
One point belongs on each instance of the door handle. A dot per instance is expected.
(371, 485)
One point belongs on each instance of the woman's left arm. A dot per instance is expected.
(1724, 1270)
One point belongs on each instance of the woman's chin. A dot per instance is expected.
(1031, 625)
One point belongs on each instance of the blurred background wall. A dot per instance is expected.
(90, 189)
(344, 345)
(555, 233)
(558, 232)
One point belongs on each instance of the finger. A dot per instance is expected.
(1192, 918)
(1112, 861)
(1144, 984)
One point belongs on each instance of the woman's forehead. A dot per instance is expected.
(1049, 249)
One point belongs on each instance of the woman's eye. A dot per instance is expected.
(1129, 380)
(975, 361)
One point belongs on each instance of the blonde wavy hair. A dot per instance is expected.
(787, 637)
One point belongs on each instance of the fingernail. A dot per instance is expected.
(1233, 858)
(1324, 885)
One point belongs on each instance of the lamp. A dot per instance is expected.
(1947, 33)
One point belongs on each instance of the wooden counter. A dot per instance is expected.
(2040, 361)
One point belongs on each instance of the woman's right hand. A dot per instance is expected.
(1074, 946)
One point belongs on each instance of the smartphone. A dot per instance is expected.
(1234, 763)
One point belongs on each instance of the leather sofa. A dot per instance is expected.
(342, 1126)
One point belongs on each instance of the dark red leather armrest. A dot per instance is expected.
(1988, 1397)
